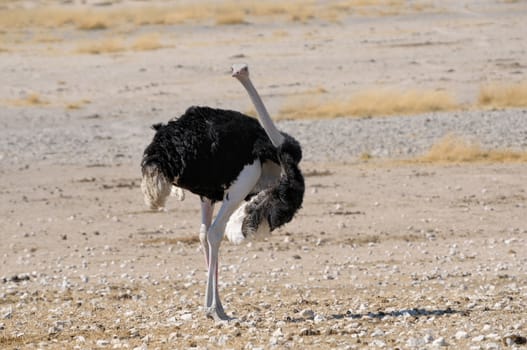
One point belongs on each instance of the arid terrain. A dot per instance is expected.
(393, 248)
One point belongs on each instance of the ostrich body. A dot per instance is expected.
(223, 155)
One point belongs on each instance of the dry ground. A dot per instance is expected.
(383, 255)
(399, 256)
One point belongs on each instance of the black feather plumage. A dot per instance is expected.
(206, 149)
(278, 204)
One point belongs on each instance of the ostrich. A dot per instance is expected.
(223, 155)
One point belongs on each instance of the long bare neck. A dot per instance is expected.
(267, 123)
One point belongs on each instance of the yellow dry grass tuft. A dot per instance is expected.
(94, 21)
(32, 99)
(230, 18)
(44, 38)
(96, 47)
(500, 95)
(147, 42)
(77, 104)
(373, 103)
(454, 149)
(280, 34)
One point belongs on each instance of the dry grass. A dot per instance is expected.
(454, 149)
(77, 104)
(107, 45)
(147, 42)
(45, 38)
(230, 18)
(94, 21)
(373, 103)
(32, 99)
(221, 13)
(500, 95)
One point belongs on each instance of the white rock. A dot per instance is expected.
(172, 337)
(440, 342)
(415, 342)
(80, 339)
(186, 317)
(378, 343)
(147, 338)
(7, 315)
(478, 338)
(461, 335)
(428, 338)
(308, 313)
(102, 343)
(278, 333)
(223, 339)
(319, 318)
(377, 333)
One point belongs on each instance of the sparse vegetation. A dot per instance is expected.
(500, 95)
(31, 99)
(230, 18)
(454, 149)
(94, 21)
(373, 103)
(43, 38)
(145, 42)
(107, 45)
(77, 104)
(223, 13)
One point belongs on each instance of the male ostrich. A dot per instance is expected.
(226, 156)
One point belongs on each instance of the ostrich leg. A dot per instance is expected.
(236, 193)
(207, 209)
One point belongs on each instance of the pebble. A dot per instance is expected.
(278, 333)
(461, 335)
(378, 343)
(478, 338)
(308, 313)
(186, 317)
(439, 342)
(102, 343)
(377, 333)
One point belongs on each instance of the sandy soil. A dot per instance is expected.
(383, 255)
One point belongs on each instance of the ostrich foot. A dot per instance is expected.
(217, 314)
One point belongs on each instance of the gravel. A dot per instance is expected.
(341, 139)
(344, 139)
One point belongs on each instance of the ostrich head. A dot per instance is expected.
(240, 71)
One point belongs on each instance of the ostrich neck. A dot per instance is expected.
(276, 137)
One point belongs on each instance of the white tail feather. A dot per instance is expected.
(178, 193)
(233, 229)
